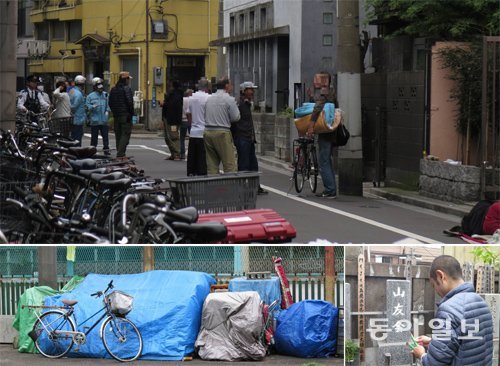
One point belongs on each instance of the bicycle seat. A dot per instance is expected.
(68, 143)
(110, 176)
(87, 173)
(83, 152)
(69, 302)
(120, 184)
(202, 233)
(78, 165)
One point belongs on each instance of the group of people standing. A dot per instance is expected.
(221, 130)
(70, 102)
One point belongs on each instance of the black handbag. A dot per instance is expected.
(341, 135)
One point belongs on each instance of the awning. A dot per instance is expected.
(266, 33)
(93, 37)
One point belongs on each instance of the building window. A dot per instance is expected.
(241, 25)
(263, 18)
(326, 63)
(252, 21)
(42, 31)
(327, 18)
(74, 30)
(57, 30)
(327, 40)
(232, 29)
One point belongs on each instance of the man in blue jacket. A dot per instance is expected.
(466, 335)
(77, 99)
(97, 106)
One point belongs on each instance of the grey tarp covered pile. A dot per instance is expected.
(231, 327)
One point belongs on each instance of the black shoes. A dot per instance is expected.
(262, 191)
(329, 195)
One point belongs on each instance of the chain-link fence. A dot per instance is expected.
(217, 260)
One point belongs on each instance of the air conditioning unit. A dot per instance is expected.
(32, 48)
(43, 48)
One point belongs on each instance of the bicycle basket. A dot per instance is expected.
(120, 303)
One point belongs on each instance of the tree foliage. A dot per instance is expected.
(457, 20)
(465, 64)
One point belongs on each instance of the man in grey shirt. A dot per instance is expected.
(220, 111)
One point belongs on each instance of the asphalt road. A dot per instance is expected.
(11, 357)
(347, 219)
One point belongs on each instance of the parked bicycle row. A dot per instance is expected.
(53, 191)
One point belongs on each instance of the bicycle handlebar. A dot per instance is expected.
(100, 293)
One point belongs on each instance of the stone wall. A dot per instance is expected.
(456, 183)
(264, 133)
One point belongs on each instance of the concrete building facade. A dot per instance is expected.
(279, 45)
(157, 41)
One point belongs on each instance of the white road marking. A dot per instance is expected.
(327, 208)
(354, 217)
(150, 148)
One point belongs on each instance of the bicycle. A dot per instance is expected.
(55, 331)
(305, 163)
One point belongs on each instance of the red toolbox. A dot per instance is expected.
(258, 225)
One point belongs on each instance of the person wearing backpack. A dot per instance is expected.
(121, 103)
(172, 119)
(30, 98)
(323, 93)
(97, 106)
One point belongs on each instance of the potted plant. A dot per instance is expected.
(351, 351)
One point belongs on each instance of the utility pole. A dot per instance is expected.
(350, 162)
(47, 267)
(8, 64)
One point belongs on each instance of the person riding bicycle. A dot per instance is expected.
(31, 99)
(323, 93)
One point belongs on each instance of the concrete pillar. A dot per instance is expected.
(47, 267)
(8, 64)
(350, 162)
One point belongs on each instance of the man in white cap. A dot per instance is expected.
(244, 131)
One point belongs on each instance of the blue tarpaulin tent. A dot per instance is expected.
(167, 310)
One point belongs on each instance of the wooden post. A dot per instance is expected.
(148, 258)
(330, 274)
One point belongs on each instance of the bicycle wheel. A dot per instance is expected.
(51, 334)
(313, 170)
(300, 169)
(121, 338)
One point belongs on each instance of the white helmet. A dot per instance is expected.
(96, 81)
(80, 79)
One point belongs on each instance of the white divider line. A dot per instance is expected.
(354, 217)
(150, 148)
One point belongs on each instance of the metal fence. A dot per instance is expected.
(304, 266)
(216, 260)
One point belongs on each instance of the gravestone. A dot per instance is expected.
(393, 350)
(468, 272)
(493, 301)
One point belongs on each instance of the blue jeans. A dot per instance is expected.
(326, 163)
(247, 161)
